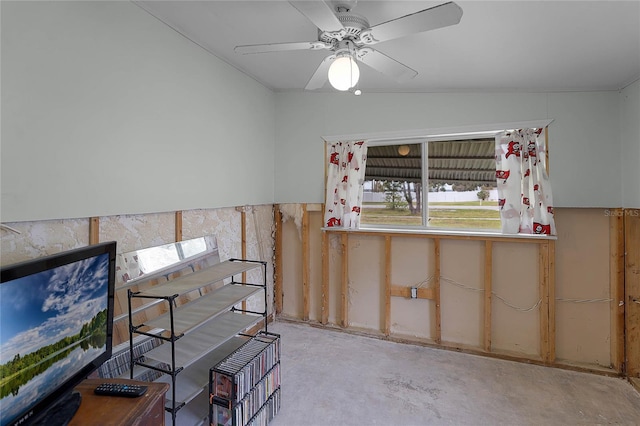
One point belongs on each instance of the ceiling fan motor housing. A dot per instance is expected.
(353, 26)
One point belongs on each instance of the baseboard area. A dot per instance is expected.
(563, 365)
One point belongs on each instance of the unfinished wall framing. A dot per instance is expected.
(423, 270)
(552, 302)
(243, 232)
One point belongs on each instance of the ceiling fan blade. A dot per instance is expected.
(320, 14)
(425, 20)
(320, 77)
(279, 47)
(384, 64)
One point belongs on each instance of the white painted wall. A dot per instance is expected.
(630, 141)
(584, 138)
(106, 110)
(584, 149)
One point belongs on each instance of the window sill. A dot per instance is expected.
(445, 233)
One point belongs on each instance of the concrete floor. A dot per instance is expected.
(334, 378)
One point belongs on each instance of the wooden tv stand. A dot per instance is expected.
(147, 410)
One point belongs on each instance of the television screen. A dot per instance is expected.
(56, 320)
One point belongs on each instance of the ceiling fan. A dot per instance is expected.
(349, 36)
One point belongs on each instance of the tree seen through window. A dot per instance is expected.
(459, 176)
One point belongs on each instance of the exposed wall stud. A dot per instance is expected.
(94, 230)
(543, 278)
(616, 291)
(277, 278)
(345, 280)
(178, 226)
(324, 314)
(305, 263)
(551, 288)
(632, 290)
(243, 247)
(488, 279)
(387, 285)
(438, 336)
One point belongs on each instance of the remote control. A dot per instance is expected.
(120, 389)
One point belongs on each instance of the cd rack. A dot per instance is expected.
(244, 388)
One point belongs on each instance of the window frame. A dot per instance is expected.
(425, 136)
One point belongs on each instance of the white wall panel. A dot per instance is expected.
(584, 149)
(630, 142)
(106, 110)
(584, 134)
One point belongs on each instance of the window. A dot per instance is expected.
(459, 175)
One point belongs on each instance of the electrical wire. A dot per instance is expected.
(584, 300)
(502, 299)
(456, 283)
(429, 279)
(479, 290)
(424, 283)
(517, 308)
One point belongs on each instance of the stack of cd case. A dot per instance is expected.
(244, 388)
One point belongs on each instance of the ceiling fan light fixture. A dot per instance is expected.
(344, 73)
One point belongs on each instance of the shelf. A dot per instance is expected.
(195, 333)
(203, 309)
(198, 279)
(138, 309)
(194, 379)
(194, 413)
(202, 340)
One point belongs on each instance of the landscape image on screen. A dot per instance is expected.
(51, 325)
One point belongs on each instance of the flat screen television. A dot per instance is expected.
(56, 324)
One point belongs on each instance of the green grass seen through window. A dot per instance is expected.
(452, 218)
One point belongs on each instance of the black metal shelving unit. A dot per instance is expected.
(198, 334)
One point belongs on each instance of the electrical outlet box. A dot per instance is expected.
(414, 293)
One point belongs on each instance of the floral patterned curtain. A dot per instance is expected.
(345, 178)
(524, 191)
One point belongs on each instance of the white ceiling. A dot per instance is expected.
(497, 46)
